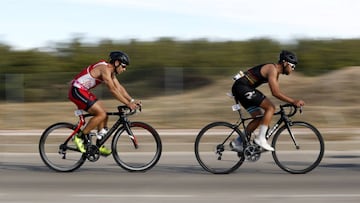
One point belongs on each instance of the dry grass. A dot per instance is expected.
(331, 101)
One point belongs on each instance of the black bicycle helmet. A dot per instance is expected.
(288, 57)
(121, 56)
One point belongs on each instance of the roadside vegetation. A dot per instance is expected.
(41, 75)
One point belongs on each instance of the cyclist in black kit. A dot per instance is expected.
(244, 90)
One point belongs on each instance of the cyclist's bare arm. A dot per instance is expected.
(112, 83)
(121, 89)
(272, 76)
(124, 92)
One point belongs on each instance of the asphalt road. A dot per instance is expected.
(178, 178)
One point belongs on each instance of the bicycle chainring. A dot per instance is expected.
(92, 153)
(252, 153)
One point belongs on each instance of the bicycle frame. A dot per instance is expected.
(122, 121)
(284, 118)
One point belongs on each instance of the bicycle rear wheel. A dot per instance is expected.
(58, 151)
(212, 148)
(142, 157)
(302, 158)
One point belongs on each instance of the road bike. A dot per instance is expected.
(136, 146)
(299, 146)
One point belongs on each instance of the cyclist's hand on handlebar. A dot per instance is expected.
(134, 105)
(299, 103)
(138, 103)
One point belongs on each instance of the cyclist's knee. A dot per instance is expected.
(268, 106)
(101, 115)
(271, 108)
(98, 112)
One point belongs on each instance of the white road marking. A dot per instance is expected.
(307, 195)
(218, 195)
(132, 195)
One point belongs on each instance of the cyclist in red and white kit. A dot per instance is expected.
(89, 78)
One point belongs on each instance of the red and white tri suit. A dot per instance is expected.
(79, 92)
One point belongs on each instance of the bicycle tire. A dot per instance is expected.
(138, 159)
(298, 160)
(212, 138)
(52, 140)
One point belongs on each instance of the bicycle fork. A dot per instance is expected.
(131, 135)
(288, 124)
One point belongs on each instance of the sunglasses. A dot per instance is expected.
(123, 65)
(292, 65)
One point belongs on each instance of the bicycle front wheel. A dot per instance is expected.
(300, 153)
(213, 151)
(139, 153)
(57, 150)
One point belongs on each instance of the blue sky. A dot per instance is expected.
(26, 24)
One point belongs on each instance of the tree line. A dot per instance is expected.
(200, 61)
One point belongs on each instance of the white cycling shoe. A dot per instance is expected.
(263, 143)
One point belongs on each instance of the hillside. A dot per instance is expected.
(331, 101)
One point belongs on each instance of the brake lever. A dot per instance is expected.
(301, 109)
(139, 106)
